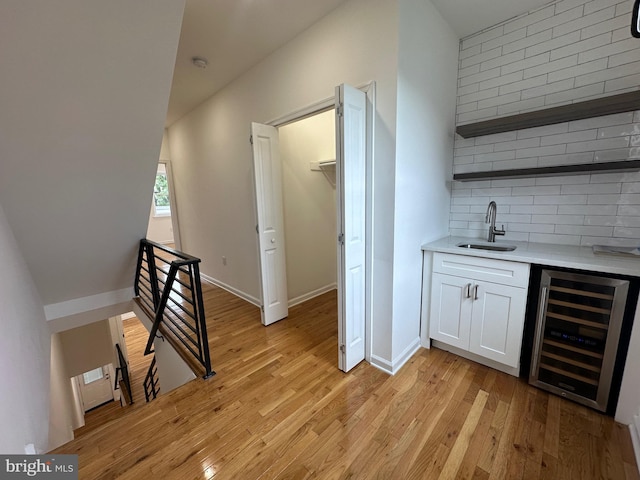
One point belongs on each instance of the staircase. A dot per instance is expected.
(169, 292)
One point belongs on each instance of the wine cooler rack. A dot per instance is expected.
(577, 332)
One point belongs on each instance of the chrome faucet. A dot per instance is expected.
(490, 218)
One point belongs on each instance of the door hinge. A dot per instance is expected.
(343, 348)
(341, 239)
(257, 229)
(340, 110)
(262, 308)
(251, 139)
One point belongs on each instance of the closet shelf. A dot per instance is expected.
(624, 102)
(582, 168)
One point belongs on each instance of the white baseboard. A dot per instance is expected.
(315, 293)
(238, 293)
(634, 430)
(381, 364)
(408, 352)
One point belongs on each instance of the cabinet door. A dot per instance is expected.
(497, 322)
(450, 310)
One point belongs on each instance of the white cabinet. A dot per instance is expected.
(478, 305)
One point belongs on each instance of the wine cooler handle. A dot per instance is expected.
(539, 331)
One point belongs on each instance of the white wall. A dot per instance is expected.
(211, 155)
(24, 353)
(309, 199)
(62, 419)
(86, 348)
(427, 65)
(83, 108)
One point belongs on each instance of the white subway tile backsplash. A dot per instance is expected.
(591, 188)
(545, 13)
(619, 130)
(604, 121)
(602, 144)
(526, 63)
(594, 231)
(612, 155)
(554, 238)
(482, 37)
(572, 50)
(495, 156)
(465, 72)
(504, 39)
(559, 64)
(565, 5)
(585, 21)
(595, 5)
(607, 50)
(479, 77)
(499, 100)
(561, 200)
(566, 159)
(528, 42)
(556, 20)
(562, 180)
(578, 70)
(535, 209)
(574, 94)
(480, 57)
(517, 87)
(587, 210)
(619, 85)
(570, 137)
(558, 219)
(502, 60)
(552, 45)
(548, 88)
(606, 26)
(530, 227)
(475, 96)
(523, 105)
(582, 46)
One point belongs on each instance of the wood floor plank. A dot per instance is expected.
(278, 408)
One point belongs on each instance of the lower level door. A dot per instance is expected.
(95, 387)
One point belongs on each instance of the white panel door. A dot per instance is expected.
(451, 305)
(95, 387)
(268, 180)
(351, 153)
(497, 322)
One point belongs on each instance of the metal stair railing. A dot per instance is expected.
(168, 285)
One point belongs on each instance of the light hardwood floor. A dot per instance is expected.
(136, 336)
(279, 408)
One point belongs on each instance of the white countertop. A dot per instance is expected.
(567, 256)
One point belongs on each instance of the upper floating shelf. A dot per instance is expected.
(583, 168)
(624, 102)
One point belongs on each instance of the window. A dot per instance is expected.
(161, 207)
(93, 376)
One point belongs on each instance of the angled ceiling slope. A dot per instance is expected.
(84, 94)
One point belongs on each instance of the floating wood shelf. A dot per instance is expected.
(582, 168)
(624, 102)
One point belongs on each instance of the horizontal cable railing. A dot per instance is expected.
(168, 284)
(151, 384)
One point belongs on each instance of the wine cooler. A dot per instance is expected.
(576, 338)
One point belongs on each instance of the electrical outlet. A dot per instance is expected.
(224, 260)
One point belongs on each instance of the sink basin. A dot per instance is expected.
(487, 246)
